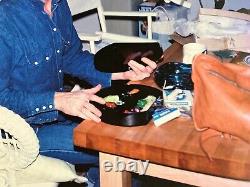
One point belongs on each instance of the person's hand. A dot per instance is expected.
(77, 103)
(137, 71)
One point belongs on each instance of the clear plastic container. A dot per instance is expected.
(163, 26)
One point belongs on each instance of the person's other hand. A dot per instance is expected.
(77, 103)
(137, 71)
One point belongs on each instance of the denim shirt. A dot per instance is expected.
(35, 52)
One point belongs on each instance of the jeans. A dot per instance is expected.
(56, 140)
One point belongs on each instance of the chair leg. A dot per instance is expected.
(92, 46)
(150, 34)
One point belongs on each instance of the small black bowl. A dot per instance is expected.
(175, 74)
(116, 116)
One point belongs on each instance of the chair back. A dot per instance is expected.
(81, 6)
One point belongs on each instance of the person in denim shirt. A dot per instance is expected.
(38, 44)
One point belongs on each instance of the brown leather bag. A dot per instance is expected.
(221, 98)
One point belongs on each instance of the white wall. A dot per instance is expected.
(126, 27)
(90, 23)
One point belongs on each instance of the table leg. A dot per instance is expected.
(109, 176)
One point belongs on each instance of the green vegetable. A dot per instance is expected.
(141, 103)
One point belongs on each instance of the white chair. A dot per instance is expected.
(20, 162)
(80, 6)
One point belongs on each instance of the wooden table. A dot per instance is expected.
(173, 150)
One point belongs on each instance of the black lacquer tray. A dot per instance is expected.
(115, 57)
(116, 116)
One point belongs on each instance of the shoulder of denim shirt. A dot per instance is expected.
(5, 14)
(4, 5)
(7, 3)
(3, 1)
(7, 7)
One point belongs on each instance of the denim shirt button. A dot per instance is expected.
(36, 63)
(61, 89)
(37, 109)
(44, 107)
(58, 51)
(68, 42)
(50, 106)
(47, 58)
(60, 71)
(54, 29)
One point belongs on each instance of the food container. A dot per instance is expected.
(125, 114)
(175, 74)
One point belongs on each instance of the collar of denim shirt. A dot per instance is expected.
(54, 3)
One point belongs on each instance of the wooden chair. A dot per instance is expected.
(81, 6)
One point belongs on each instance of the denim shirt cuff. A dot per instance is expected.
(43, 109)
(106, 80)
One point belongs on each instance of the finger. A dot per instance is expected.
(142, 72)
(94, 89)
(136, 66)
(139, 69)
(83, 116)
(149, 69)
(97, 99)
(149, 62)
(93, 109)
(90, 115)
(133, 72)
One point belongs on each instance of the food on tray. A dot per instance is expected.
(112, 101)
(128, 109)
(110, 105)
(149, 102)
(112, 98)
(134, 91)
(141, 105)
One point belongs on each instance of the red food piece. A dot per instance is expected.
(111, 105)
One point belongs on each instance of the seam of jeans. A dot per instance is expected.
(36, 130)
(89, 178)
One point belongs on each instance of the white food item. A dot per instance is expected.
(112, 98)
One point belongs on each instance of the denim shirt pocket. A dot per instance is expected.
(38, 66)
(37, 61)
